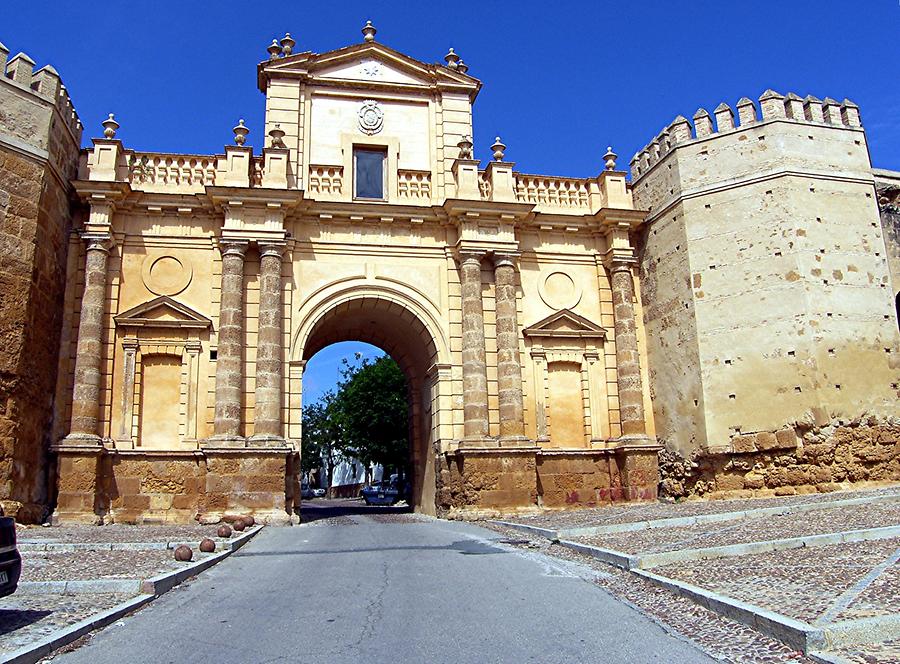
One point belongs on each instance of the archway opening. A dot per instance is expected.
(395, 329)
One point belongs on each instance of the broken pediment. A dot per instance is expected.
(162, 312)
(565, 323)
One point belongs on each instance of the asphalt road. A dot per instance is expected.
(349, 588)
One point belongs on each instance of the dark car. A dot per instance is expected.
(10, 560)
(383, 493)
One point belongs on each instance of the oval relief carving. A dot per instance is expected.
(559, 291)
(166, 275)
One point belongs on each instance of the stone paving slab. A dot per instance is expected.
(621, 513)
(799, 583)
(886, 652)
(26, 618)
(753, 530)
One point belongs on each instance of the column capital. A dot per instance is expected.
(471, 255)
(230, 247)
(272, 248)
(506, 258)
(619, 263)
(98, 241)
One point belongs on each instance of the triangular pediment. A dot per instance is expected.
(565, 323)
(369, 63)
(162, 311)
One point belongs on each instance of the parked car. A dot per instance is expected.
(305, 491)
(318, 493)
(10, 560)
(381, 493)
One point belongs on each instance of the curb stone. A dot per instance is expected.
(152, 588)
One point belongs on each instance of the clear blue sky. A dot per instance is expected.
(562, 80)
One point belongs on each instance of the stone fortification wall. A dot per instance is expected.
(39, 139)
(887, 184)
(769, 314)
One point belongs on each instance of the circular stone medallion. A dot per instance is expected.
(166, 275)
(371, 117)
(559, 291)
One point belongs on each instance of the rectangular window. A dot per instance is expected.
(368, 172)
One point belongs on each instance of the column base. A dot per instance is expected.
(224, 440)
(78, 476)
(516, 441)
(81, 440)
(265, 440)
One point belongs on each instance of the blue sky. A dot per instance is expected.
(561, 80)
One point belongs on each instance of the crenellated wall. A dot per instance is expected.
(768, 306)
(39, 139)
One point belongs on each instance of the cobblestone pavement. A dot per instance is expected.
(819, 585)
(80, 565)
(720, 637)
(630, 513)
(114, 533)
(780, 526)
(26, 618)
(802, 583)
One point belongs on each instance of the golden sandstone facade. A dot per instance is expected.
(534, 316)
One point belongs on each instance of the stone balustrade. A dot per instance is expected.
(414, 186)
(170, 173)
(554, 192)
(326, 181)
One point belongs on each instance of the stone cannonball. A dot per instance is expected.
(183, 553)
(207, 545)
(224, 530)
(249, 521)
(239, 525)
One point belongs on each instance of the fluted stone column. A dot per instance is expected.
(88, 355)
(475, 398)
(229, 364)
(509, 364)
(269, 380)
(628, 365)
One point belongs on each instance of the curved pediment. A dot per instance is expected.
(565, 323)
(162, 311)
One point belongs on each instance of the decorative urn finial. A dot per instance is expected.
(462, 67)
(369, 32)
(610, 159)
(274, 49)
(240, 133)
(287, 44)
(452, 59)
(110, 126)
(499, 149)
(465, 147)
(277, 136)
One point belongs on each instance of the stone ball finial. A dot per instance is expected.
(369, 32)
(287, 44)
(274, 49)
(462, 67)
(110, 126)
(465, 147)
(499, 149)
(452, 59)
(610, 159)
(277, 136)
(240, 132)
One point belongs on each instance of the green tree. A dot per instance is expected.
(372, 409)
(322, 439)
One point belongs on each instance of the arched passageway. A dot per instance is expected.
(399, 331)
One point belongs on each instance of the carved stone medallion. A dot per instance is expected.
(371, 117)
(559, 291)
(166, 275)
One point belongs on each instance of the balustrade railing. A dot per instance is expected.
(159, 172)
(414, 185)
(552, 191)
(327, 181)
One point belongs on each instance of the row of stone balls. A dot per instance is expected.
(184, 553)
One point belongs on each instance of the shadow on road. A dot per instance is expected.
(318, 509)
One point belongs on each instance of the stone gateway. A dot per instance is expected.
(726, 317)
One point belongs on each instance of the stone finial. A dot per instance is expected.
(240, 133)
(702, 123)
(287, 44)
(274, 49)
(110, 126)
(724, 117)
(793, 106)
(277, 136)
(452, 59)
(610, 159)
(462, 67)
(498, 147)
(369, 32)
(850, 114)
(746, 111)
(465, 147)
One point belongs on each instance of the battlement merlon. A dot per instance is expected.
(45, 83)
(772, 107)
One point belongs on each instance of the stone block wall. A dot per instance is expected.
(39, 141)
(767, 295)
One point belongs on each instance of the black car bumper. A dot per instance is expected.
(11, 564)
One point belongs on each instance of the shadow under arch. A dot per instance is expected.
(404, 329)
